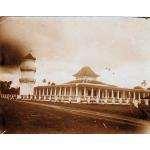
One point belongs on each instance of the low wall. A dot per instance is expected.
(72, 99)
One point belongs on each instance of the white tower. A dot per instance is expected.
(28, 70)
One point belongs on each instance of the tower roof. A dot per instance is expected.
(85, 71)
(29, 56)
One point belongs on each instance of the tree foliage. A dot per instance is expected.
(5, 88)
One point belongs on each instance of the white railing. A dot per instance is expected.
(75, 99)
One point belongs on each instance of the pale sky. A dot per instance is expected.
(62, 45)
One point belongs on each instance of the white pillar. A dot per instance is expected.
(99, 93)
(43, 92)
(65, 92)
(102, 94)
(92, 92)
(70, 91)
(60, 91)
(76, 90)
(84, 91)
(47, 91)
(118, 94)
(123, 94)
(143, 95)
(40, 91)
(139, 96)
(77, 93)
(51, 91)
(106, 94)
(129, 95)
(112, 93)
(55, 91)
(134, 95)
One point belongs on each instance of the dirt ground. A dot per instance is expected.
(19, 117)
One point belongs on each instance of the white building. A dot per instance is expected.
(87, 89)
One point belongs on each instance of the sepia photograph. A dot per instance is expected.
(74, 75)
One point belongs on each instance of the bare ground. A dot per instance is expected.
(46, 117)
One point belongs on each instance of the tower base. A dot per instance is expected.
(26, 88)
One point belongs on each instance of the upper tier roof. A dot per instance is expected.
(29, 56)
(85, 71)
(99, 83)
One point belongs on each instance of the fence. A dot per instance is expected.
(72, 99)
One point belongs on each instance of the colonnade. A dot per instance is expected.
(91, 92)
